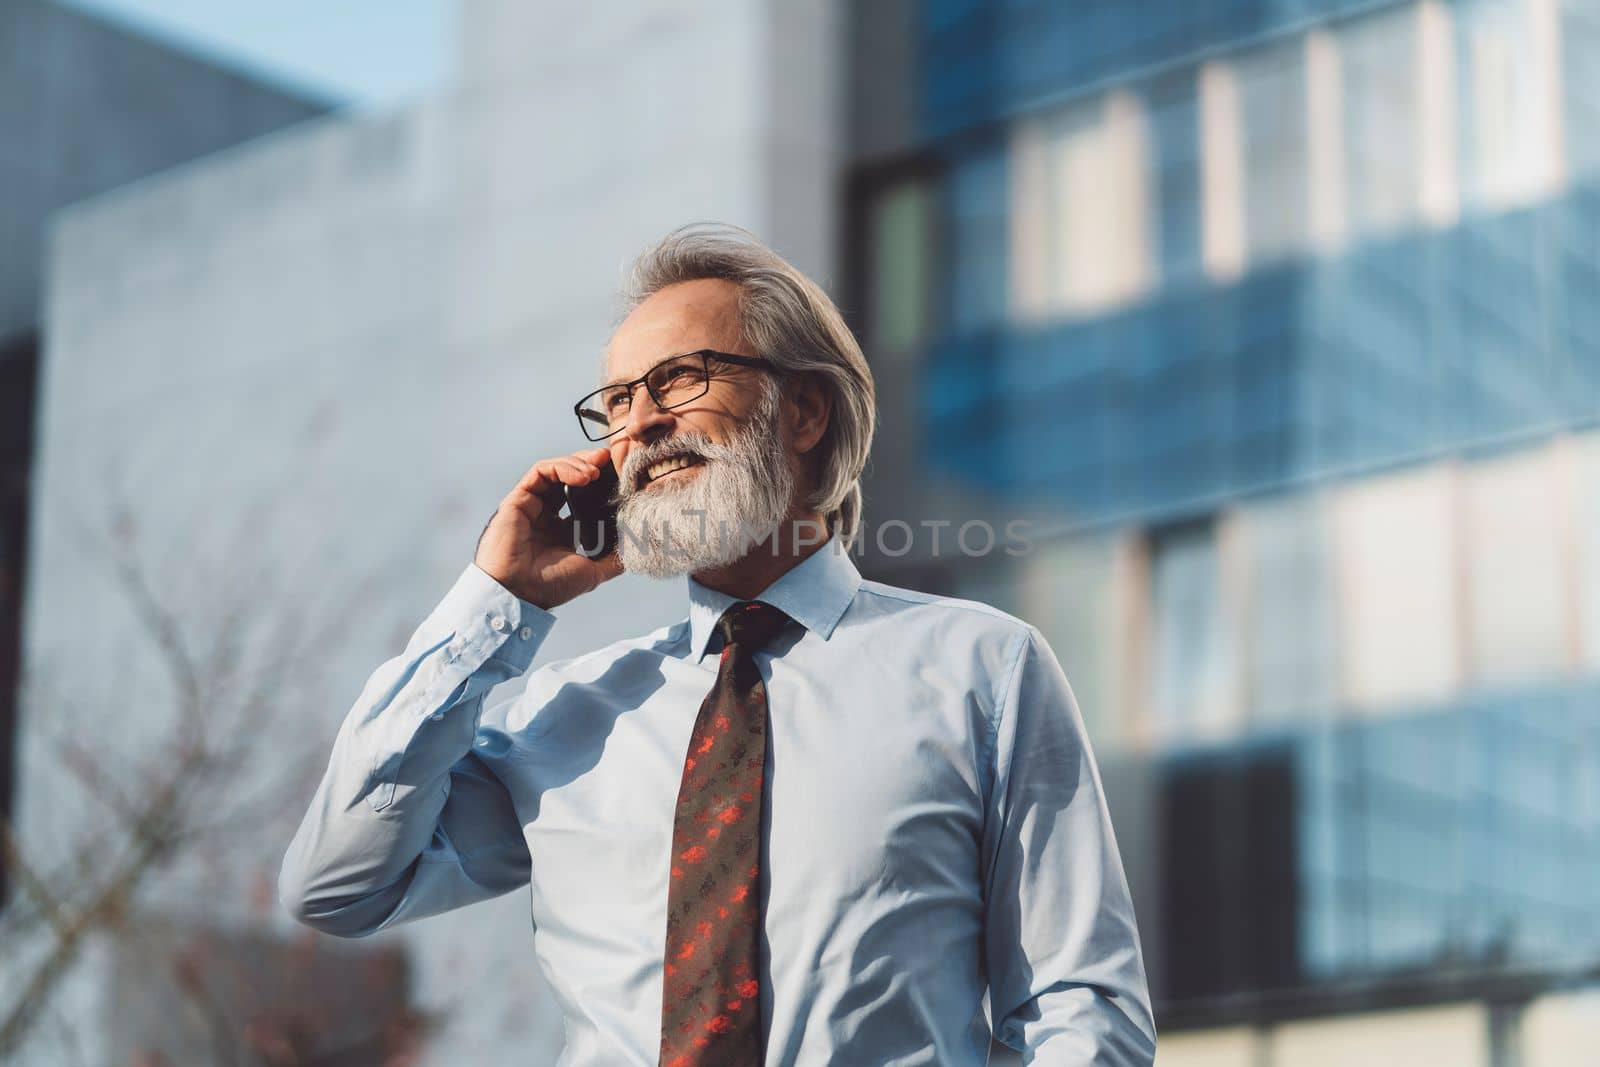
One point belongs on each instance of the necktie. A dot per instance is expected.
(711, 996)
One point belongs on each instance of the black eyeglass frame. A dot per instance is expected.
(706, 356)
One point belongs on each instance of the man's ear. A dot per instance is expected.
(810, 407)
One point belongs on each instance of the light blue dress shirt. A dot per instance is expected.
(934, 822)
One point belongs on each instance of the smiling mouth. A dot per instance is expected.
(663, 468)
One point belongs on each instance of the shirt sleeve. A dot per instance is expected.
(407, 821)
(1066, 975)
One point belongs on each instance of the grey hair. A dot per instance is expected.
(786, 318)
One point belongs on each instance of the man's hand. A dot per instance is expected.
(528, 548)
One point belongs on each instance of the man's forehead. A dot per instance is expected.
(680, 318)
(617, 374)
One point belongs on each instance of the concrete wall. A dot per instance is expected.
(1557, 1029)
(86, 106)
(1456, 1034)
(1561, 1029)
(328, 356)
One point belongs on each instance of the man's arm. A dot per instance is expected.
(407, 821)
(1066, 977)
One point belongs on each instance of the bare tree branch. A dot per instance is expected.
(237, 662)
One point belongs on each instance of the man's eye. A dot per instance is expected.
(616, 401)
(672, 374)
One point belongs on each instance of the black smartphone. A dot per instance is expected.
(596, 512)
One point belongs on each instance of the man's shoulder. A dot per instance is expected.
(962, 617)
(966, 641)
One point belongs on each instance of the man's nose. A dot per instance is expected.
(646, 421)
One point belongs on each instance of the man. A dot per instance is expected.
(820, 820)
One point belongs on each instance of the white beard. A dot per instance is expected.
(742, 491)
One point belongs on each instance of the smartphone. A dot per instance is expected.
(594, 509)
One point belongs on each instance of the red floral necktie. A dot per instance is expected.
(711, 994)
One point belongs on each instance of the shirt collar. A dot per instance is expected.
(814, 593)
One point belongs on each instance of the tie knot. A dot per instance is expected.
(750, 624)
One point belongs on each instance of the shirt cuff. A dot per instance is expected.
(490, 621)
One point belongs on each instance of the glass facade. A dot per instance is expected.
(1286, 309)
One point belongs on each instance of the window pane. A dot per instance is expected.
(1586, 522)
(1081, 208)
(1382, 105)
(1272, 97)
(1030, 221)
(1325, 170)
(1174, 118)
(1400, 612)
(1579, 104)
(1512, 98)
(1192, 650)
(1082, 235)
(1291, 628)
(900, 256)
(1516, 528)
(1100, 200)
(1221, 173)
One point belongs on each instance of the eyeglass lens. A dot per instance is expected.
(672, 383)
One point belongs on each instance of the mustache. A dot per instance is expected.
(683, 443)
(748, 494)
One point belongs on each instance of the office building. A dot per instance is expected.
(1275, 322)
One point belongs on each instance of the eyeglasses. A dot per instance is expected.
(671, 383)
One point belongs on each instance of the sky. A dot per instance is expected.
(363, 53)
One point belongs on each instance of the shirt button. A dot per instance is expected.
(525, 633)
(437, 716)
(498, 624)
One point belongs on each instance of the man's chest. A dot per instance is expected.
(874, 781)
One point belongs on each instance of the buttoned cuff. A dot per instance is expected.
(489, 621)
